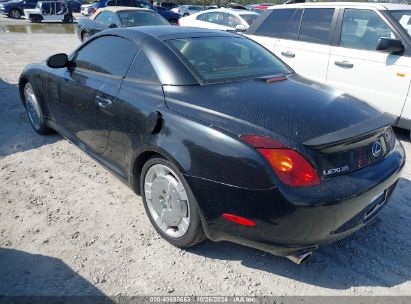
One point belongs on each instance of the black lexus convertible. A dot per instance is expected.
(220, 138)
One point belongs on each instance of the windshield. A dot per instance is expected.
(220, 59)
(249, 18)
(138, 18)
(404, 18)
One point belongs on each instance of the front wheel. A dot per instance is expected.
(34, 112)
(68, 19)
(186, 14)
(170, 204)
(15, 13)
(36, 19)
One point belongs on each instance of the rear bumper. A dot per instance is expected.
(290, 221)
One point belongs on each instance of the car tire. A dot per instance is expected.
(164, 189)
(85, 36)
(68, 19)
(34, 111)
(36, 19)
(186, 14)
(15, 13)
(173, 21)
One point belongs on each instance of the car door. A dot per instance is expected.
(270, 28)
(139, 101)
(308, 53)
(88, 91)
(49, 11)
(356, 67)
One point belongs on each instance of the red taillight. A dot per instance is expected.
(178, 22)
(239, 220)
(290, 166)
(261, 142)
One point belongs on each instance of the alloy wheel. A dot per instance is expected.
(15, 14)
(167, 201)
(32, 106)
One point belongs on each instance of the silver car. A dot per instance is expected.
(186, 10)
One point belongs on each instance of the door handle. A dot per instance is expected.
(288, 54)
(344, 64)
(103, 102)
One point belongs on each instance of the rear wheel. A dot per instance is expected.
(36, 19)
(170, 204)
(186, 14)
(34, 111)
(173, 21)
(15, 13)
(68, 19)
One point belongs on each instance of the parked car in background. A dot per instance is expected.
(259, 8)
(363, 49)
(170, 16)
(85, 9)
(221, 19)
(50, 11)
(303, 165)
(168, 5)
(117, 17)
(185, 10)
(15, 8)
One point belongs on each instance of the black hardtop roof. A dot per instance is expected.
(165, 32)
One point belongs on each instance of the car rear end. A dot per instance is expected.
(293, 217)
(304, 165)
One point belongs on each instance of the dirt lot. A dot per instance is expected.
(68, 227)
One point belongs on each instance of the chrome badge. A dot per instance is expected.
(376, 149)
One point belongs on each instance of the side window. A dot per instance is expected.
(103, 17)
(142, 70)
(293, 26)
(231, 20)
(107, 18)
(362, 29)
(141, 4)
(200, 17)
(212, 17)
(98, 54)
(273, 26)
(316, 25)
(45, 8)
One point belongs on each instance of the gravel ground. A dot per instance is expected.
(68, 227)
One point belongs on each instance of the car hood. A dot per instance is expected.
(294, 111)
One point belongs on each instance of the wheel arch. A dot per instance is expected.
(142, 157)
(22, 83)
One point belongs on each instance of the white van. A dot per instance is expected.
(363, 49)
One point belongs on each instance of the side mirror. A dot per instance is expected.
(57, 61)
(240, 28)
(112, 25)
(389, 45)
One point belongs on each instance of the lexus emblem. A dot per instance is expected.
(376, 149)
